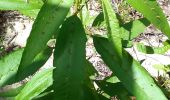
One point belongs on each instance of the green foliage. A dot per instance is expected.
(73, 76)
(133, 80)
(152, 11)
(128, 31)
(20, 5)
(113, 28)
(152, 50)
(114, 89)
(69, 62)
(36, 85)
(46, 24)
(8, 70)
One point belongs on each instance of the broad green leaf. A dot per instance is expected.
(114, 89)
(70, 80)
(152, 11)
(113, 28)
(36, 85)
(9, 65)
(38, 61)
(19, 5)
(132, 75)
(132, 29)
(50, 17)
(128, 30)
(150, 50)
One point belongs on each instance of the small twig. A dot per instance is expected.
(12, 39)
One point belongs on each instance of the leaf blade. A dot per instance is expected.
(137, 80)
(36, 85)
(69, 62)
(152, 11)
(50, 17)
(18, 5)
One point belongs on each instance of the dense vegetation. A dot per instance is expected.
(70, 78)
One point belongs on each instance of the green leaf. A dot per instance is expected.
(114, 89)
(70, 80)
(19, 5)
(128, 30)
(152, 50)
(132, 29)
(9, 65)
(50, 17)
(152, 11)
(41, 81)
(112, 79)
(38, 62)
(99, 20)
(34, 12)
(30, 13)
(144, 49)
(133, 76)
(113, 28)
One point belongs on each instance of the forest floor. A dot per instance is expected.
(15, 29)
